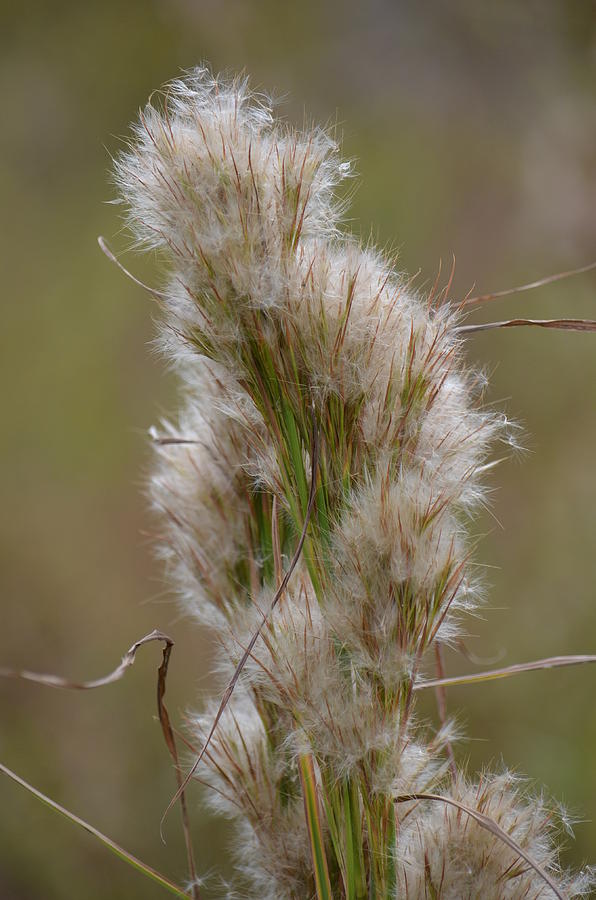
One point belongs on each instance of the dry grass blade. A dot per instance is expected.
(106, 250)
(559, 276)
(56, 681)
(552, 662)
(147, 870)
(561, 324)
(128, 659)
(278, 594)
(490, 825)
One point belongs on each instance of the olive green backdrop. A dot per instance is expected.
(474, 129)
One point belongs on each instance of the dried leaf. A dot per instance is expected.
(562, 324)
(552, 662)
(56, 681)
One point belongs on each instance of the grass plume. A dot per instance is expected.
(326, 406)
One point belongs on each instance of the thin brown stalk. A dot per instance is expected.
(170, 740)
(549, 279)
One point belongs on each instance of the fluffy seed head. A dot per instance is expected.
(443, 853)
(289, 337)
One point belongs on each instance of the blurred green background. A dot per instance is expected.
(474, 129)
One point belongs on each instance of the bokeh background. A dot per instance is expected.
(474, 129)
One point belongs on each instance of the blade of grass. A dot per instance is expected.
(313, 821)
(358, 839)
(123, 854)
(552, 662)
(333, 816)
(390, 842)
(350, 853)
(489, 825)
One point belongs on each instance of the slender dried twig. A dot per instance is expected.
(549, 279)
